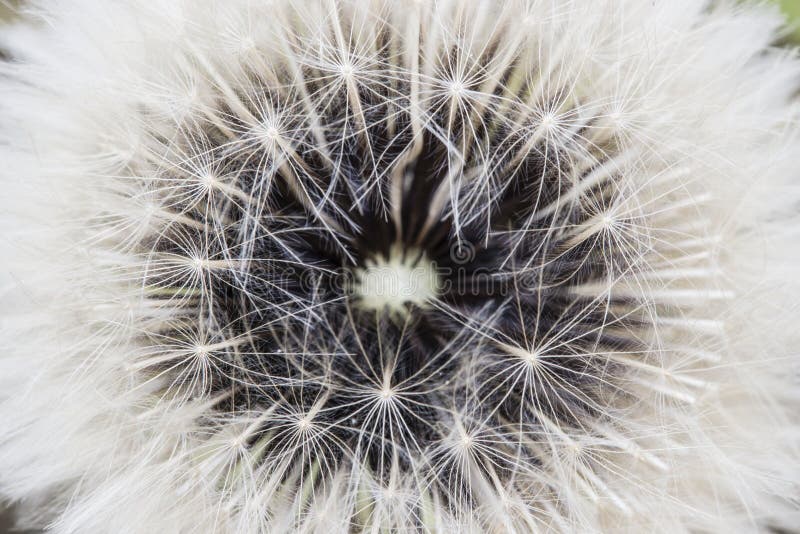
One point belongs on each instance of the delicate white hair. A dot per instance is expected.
(161, 160)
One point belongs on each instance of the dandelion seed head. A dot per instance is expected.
(400, 266)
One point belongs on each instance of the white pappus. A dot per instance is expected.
(399, 266)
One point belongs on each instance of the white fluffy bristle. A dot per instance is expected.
(399, 266)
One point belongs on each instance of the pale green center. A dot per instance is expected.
(405, 277)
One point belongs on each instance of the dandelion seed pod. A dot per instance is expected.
(399, 266)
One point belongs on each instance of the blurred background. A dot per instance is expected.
(790, 7)
(8, 9)
(792, 10)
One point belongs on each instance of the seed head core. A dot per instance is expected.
(391, 283)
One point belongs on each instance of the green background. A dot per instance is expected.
(792, 10)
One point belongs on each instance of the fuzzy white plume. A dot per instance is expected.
(395, 265)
